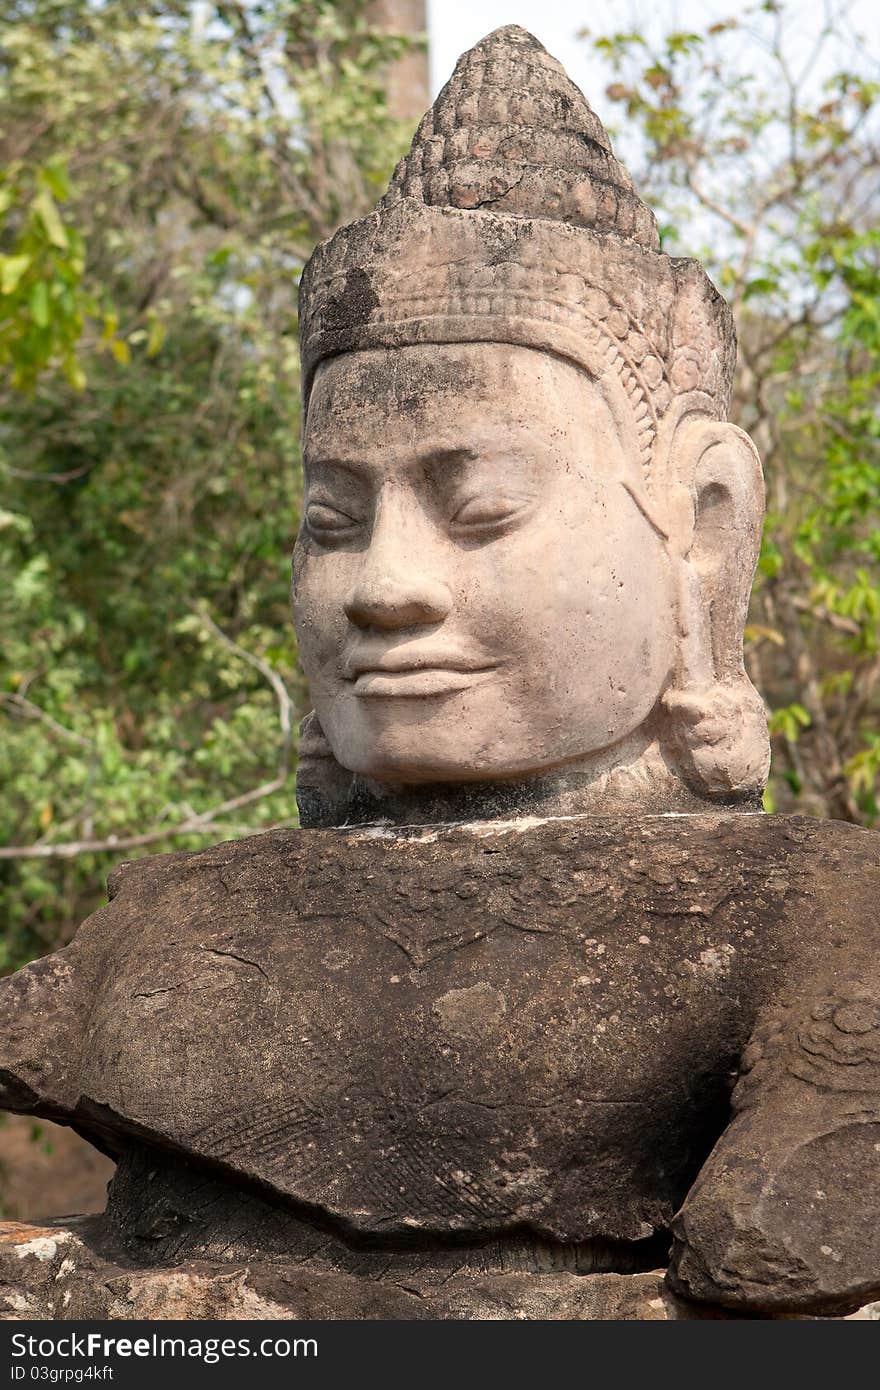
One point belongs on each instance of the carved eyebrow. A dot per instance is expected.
(313, 464)
(434, 461)
(428, 458)
(450, 454)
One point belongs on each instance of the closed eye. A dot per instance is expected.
(490, 513)
(325, 522)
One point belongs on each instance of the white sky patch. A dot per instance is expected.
(456, 25)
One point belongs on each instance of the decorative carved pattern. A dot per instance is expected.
(833, 1045)
(511, 126)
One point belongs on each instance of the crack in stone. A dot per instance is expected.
(243, 960)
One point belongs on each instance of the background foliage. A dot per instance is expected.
(167, 167)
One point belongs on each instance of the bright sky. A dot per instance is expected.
(458, 24)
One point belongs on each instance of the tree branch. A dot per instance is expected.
(202, 824)
(29, 477)
(286, 707)
(29, 710)
(824, 615)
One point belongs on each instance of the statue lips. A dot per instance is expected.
(413, 674)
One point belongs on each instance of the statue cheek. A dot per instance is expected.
(318, 616)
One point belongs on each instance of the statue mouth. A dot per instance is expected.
(404, 671)
(415, 681)
(408, 666)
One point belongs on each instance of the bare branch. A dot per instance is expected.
(19, 705)
(202, 824)
(824, 615)
(286, 707)
(744, 228)
(28, 477)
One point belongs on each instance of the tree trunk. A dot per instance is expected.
(409, 93)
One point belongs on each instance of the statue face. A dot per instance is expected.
(476, 594)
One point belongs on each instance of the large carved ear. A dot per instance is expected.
(718, 724)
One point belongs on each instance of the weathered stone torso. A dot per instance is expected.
(458, 1032)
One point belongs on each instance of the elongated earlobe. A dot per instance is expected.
(717, 724)
(719, 737)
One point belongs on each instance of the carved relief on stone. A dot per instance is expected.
(831, 1043)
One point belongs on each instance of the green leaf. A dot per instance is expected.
(54, 176)
(75, 374)
(39, 304)
(156, 337)
(44, 206)
(761, 284)
(12, 268)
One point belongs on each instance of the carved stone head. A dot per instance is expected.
(528, 533)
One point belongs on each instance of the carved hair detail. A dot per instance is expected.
(510, 127)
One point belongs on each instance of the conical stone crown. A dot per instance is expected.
(510, 221)
(510, 132)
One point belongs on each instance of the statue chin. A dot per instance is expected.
(631, 777)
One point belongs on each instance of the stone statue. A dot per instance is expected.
(538, 990)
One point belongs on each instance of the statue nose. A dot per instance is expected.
(390, 602)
